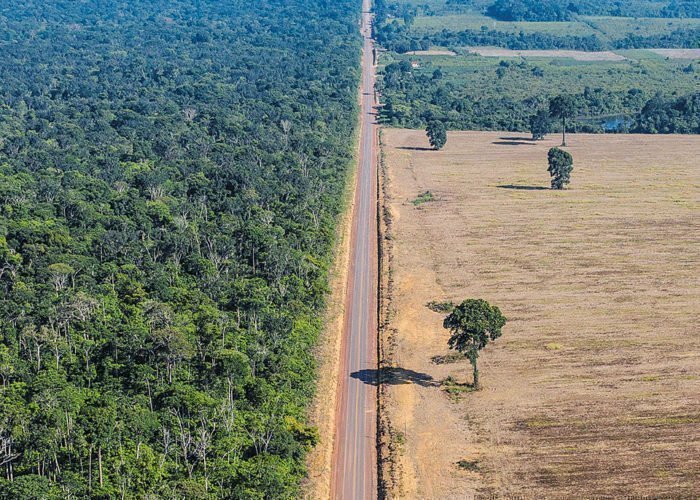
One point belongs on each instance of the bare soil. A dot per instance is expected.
(434, 52)
(594, 388)
(571, 54)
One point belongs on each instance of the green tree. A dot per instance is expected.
(473, 324)
(540, 125)
(437, 135)
(564, 107)
(561, 164)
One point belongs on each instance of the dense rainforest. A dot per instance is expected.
(170, 176)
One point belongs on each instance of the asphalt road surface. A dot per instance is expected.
(354, 452)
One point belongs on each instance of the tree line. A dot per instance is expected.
(414, 99)
(564, 10)
(170, 177)
(399, 37)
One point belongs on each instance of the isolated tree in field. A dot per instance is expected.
(540, 125)
(564, 107)
(437, 135)
(473, 324)
(561, 164)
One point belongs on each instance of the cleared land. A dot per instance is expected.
(678, 53)
(605, 27)
(578, 55)
(432, 52)
(595, 386)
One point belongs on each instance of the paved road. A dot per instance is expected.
(355, 457)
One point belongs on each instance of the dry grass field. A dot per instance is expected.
(577, 55)
(594, 388)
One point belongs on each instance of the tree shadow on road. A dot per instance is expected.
(523, 188)
(394, 376)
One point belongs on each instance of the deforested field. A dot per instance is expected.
(594, 388)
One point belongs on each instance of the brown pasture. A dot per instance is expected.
(594, 388)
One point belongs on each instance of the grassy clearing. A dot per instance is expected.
(477, 74)
(475, 21)
(606, 28)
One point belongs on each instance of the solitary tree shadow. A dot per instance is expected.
(415, 148)
(523, 188)
(528, 139)
(514, 143)
(394, 376)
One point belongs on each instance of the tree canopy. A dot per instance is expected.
(565, 107)
(561, 164)
(473, 324)
(170, 177)
(437, 135)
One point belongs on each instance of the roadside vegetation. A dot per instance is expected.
(170, 177)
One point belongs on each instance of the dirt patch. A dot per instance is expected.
(595, 385)
(432, 53)
(570, 54)
(678, 53)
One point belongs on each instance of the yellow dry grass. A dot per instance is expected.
(594, 389)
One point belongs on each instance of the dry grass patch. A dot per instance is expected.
(595, 385)
(577, 55)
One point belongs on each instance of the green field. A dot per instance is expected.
(477, 74)
(475, 21)
(606, 28)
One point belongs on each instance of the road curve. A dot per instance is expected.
(354, 450)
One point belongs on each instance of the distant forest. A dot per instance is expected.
(566, 10)
(170, 177)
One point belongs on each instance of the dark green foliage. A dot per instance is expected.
(564, 10)
(540, 124)
(682, 8)
(437, 135)
(170, 177)
(440, 307)
(473, 324)
(399, 38)
(670, 116)
(561, 163)
(424, 197)
(564, 107)
(413, 98)
(530, 10)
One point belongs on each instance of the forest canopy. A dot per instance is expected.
(565, 10)
(170, 176)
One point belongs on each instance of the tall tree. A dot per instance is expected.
(563, 106)
(437, 135)
(540, 124)
(561, 164)
(473, 324)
